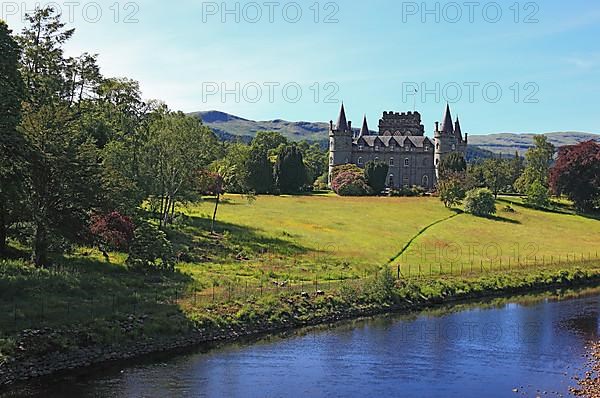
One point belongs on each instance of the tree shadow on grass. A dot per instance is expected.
(79, 290)
(502, 219)
(557, 208)
(230, 239)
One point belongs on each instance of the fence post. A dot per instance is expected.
(398, 272)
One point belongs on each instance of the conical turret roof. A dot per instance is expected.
(447, 124)
(458, 130)
(365, 128)
(342, 123)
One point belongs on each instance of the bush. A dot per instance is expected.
(350, 183)
(480, 202)
(408, 192)
(150, 250)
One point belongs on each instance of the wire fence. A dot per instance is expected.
(39, 312)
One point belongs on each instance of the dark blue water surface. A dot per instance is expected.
(532, 344)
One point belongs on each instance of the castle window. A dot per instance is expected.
(377, 159)
(426, 147)
(391, 181)
(331, 160)
(425, 182)
(360, 161)
(454, 147)
(377, 148)
(437, 145)
(360, 147)
(407, 147)
(392, 148)
(406, 181)
(391, 161)
(406, 162)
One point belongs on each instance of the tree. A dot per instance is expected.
(376, 175)
(516, 167)
(315, 159)
(62, 172)
(111, 231)
(219, 179)
(496, 174)
(12, 162)
(539, 158)
(451, 189)
(453, 163)
(480, 202)
(538, 195)
(577, 174)
(290, 172)
(178, 146)
(259, 167)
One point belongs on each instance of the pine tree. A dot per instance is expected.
(62, 175)
(11, 143)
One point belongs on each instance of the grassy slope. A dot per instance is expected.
(332, 234)
(358, 234)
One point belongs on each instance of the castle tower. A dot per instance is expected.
(448, 139)
(340, 142)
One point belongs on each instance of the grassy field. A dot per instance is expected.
(293, 240)
(303, 236)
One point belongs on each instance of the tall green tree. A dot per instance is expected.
(376, 175)
(496, 174)
(538, 162)
(62, 171)
(455, 162)
(259, 166)
(12, 162)
(290, 171)
(179, 146)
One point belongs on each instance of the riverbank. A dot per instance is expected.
(48, 351)
(589, 384)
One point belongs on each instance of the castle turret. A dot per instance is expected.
(448, 139)
(365, 128)
(340, 142)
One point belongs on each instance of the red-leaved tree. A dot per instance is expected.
(577, 174)
(112, 231)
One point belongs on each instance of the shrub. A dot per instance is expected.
(480, 202)
(352, 168)
(150, 250)
(350, 184)
(113, 230)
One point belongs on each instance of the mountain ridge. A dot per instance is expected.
(230, 127)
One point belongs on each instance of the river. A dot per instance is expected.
(534, 344)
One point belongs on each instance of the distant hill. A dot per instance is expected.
(224, 124)
(508, 143)
(229, 127)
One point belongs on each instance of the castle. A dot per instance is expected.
(401, 143)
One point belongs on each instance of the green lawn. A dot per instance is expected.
(330, 237)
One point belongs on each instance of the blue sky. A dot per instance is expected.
(545, 58)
